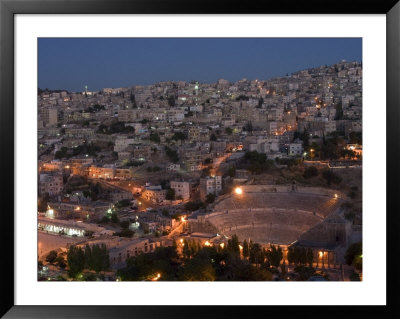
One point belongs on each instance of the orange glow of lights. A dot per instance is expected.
(238, 191)
(158, 276)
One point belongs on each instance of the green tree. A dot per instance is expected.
(75, 260)
(186, 251)
(283, 270)
(199, 269)
(310, 257)
(51, 257)
(60, 261)
(355, 277)
(133, 100)
(123, 203)
(171, 100)
(352, 251)
(246, 251)
(114, 217)
(290, 255)
(172, 154)
(303, 256)
(233, 245)
(42, 202)
(88, 257)
(154, 137)
(179, 136)
(164, 260)
(256, 255)
(249, 127)
(304, 272)
(100, 258)
(228, 131)
(170, 195)
(274, 255)
(210, 198)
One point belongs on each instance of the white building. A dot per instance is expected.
(48, 116)
(122, 142)
(210, 185)
(295, 149)
(182, 189)
(51, 184)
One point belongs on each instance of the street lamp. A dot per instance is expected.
(238, 191)
(158, 276)
(312, 153)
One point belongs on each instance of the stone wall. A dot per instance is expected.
(287, 188)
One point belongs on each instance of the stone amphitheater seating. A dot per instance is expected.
(273, 217)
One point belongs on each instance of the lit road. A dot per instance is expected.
(217, 162)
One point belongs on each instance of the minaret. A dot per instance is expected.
(196, 88)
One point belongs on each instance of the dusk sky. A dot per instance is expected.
(72, 63)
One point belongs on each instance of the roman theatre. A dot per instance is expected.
(272, 214)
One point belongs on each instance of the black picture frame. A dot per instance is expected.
(8, 8)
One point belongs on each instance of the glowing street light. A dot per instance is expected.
(158, 276)
(183, 219)
(207, 243)
(336, 195)
(238, 191)
(222, 245)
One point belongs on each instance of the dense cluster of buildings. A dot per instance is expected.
(182, 128)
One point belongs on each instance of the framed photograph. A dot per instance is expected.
(162, 159)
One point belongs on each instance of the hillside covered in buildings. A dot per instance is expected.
(134, 170)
